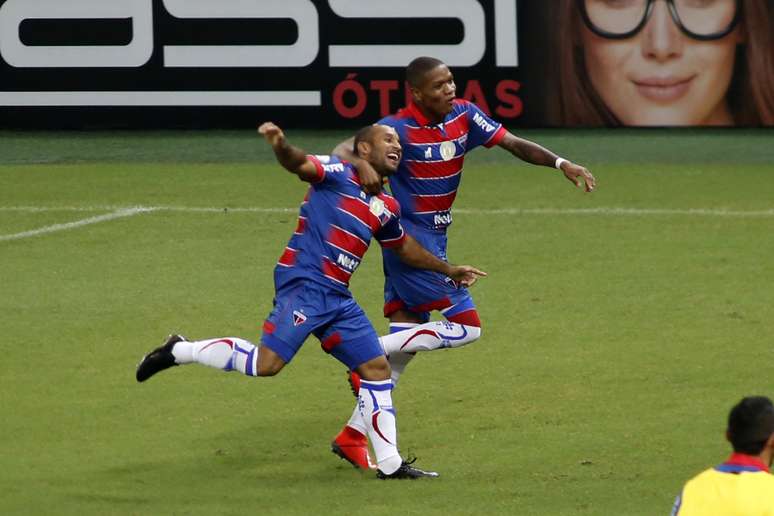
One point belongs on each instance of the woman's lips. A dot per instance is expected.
(663, 89)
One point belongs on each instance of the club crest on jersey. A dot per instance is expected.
(448, 150)
(298, 318)
(376, 206)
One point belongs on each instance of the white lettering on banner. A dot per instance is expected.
(19, 55)
(483, 124)
(160, 98)
(466, 53)
(348, 263)
(301, 53)
(506, 33)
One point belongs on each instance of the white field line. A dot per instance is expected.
(604, 211)
(117, 214)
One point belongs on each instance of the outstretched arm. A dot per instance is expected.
(412, 253)
(292, 158)
(533, 153)
(369, 178)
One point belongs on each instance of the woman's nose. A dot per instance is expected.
(661, 37)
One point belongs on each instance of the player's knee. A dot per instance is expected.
(377, 369)
(269, 362)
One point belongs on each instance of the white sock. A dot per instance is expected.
(356, 420)
(398, 362)
(227, 354)
(375, 401)
(429, 336)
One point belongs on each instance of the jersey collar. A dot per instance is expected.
(417, 114)
(741, 462)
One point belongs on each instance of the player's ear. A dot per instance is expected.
(770, 442)
(416, 95)
(363, 149)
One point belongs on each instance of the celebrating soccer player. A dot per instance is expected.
(436, 130)
(335, 225)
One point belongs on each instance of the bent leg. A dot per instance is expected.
(430, 336)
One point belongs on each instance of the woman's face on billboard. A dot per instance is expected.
(661, 76)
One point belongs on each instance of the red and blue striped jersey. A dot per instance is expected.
(430, 170)
(335, 224)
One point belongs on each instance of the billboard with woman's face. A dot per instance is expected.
(662, 63)
(341, 63)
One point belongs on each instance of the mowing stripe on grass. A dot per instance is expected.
(117, 214)
(606, 211)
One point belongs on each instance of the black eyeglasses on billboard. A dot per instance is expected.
(699, 19)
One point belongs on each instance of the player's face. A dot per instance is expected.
(660, 76)
(437, 92)
(386, 150)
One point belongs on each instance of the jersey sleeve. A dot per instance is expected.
(319, 166)
(391, 233)
(483, 130)
(330, 170)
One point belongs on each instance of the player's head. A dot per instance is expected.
(380, 146)
(432, 86)
(751, 425)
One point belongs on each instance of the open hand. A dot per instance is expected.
(579, 175)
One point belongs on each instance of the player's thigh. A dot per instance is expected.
(351, 337)
(298, 311)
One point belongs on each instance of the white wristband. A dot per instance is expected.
(559, 162)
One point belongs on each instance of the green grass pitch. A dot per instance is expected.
(618, 329)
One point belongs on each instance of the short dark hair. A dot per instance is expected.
(364, 135)
(418, 68)
(751, 424)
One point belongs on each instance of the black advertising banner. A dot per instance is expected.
(340, 63)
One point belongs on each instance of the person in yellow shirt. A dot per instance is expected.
(742, 485)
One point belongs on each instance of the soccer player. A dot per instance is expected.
(436, 130)
(743, 485)
(335, 225)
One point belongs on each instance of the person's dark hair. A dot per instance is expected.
(418, 68)
(364, 135)
(573, 101)
(751, 424)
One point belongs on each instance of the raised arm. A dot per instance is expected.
(412, 253)
(533, 153)
(291, 158)
(369, 178)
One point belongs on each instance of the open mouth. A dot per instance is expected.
(663, 89)
(393, 157)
